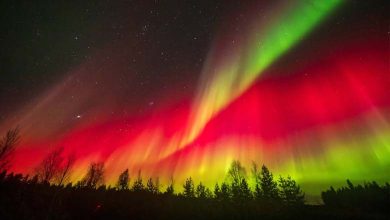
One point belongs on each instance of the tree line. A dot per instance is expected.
(56, 169)
(50, 186)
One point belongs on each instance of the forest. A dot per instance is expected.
(49, 194)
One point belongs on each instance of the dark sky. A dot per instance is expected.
(42, 40)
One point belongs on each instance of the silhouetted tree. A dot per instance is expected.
(7, 146)
(63, 174)
(3, 174)
(94, 177)
(369, 196)
(34, 180)
(50, 166)
(123, 180)
(239, 186)
(329, 196)
(245, 192)
(202, 191)
(157, 185)
(170, 190)
(257, 177)
(269, 187)
(290, 191)
(153, 187)
(350, 185)
(189, 190)
(217, 192)
(225, 191)
(236, 173)
(241, 192)
(23, 197)
(138, 184)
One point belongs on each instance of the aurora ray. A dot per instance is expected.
(228, 75)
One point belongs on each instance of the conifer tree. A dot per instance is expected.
(123, 180)
(153, 187)
(217, 192)
(257, 177)
(225, 191)
(269, 187)
(189, 190)
(138, 184)
(202, 191)
(290, 191)
(245, 192)
(170, 190)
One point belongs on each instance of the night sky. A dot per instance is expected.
(160, 43)
(182, 88)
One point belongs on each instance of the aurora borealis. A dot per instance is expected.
(301, 86)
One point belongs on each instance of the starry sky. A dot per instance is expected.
(44, 41)
(182, 88)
